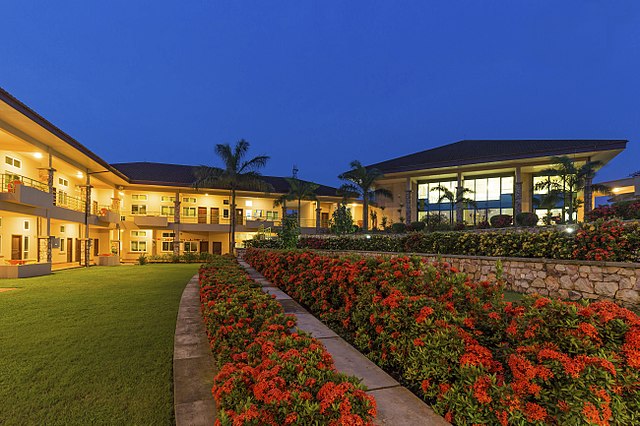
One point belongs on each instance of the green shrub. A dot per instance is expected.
(142, 259)
(417, 226)
(500, 221)
(526, 219)
(398, 228)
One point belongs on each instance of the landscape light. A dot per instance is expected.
(570, 230)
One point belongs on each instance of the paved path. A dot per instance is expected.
(396, 404)
(193, 364)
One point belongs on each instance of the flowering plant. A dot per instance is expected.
(268, 374)
(456, 343)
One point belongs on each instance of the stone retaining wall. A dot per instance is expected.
(567, 279)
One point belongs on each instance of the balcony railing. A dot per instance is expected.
(66, 201)
(10, 180)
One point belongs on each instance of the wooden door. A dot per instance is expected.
(16, 247)
(217, 247)
(78, 250)
(215, 216)
(202, 215)
(204, 246)
(324, 220)
(69, 250)
(239, 217)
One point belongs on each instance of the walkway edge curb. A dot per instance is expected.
(193, 363)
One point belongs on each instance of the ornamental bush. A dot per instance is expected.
(500, 221)
(592, 241)
(455, 342)
(526, 219)
(268, 374)
(622, 210)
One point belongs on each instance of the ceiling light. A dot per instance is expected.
(79, 174)
(37, 155)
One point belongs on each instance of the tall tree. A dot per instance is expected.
(457, 199)
(301, 190)
(361, 183)
(237, 173)
(571, 179)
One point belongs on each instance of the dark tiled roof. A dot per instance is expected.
(484, 151)
(182, 175)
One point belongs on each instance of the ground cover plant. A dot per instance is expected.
(270, 375)
(90, 346)
(456, 343)
(610, 240)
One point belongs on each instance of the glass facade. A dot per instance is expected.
(429, 197)
(545, 206)
(493, 195)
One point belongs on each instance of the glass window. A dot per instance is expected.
(167, 199)
(139, 197)
(190, 246)
(191, 200)
(167, 246)
(189, 211)
(481, 189)
(138, 209)
(138, 233)
(423, 190)
(167, 210)
(225, 213)
(507, 185)
(493, 188)
(139, 246)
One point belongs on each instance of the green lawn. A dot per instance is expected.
(90, 346)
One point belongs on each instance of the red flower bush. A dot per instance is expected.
(475, 358)
(268, 374)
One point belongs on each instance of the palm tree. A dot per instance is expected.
(548, 202)
(572, 179)
(456, 199)
(282, 201)
(301, 190)
(361, 183)
(237, 173)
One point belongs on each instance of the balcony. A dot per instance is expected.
(62, 199)
(107, 214)
(23, 190)
(144, 219)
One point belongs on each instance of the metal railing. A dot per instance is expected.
(10, 180)
(62, 199)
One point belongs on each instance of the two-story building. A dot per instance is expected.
(500, 176)
(62, 205)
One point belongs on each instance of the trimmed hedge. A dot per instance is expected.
(459, 346)
(270, 375)
(591, 241)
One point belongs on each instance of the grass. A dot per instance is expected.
(90, 346)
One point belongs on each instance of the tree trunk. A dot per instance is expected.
(564, 199)
(232, 242)
(365, 213)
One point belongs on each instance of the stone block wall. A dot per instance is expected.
(574, 280)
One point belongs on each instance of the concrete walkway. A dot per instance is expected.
(193, 363)
(396, 404)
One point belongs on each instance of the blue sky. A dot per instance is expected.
(318, 84)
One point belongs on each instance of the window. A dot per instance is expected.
(225, 213)
(138, 246)
(190, 200)
(138, 233)
(257, 213)
(139, 197)
(248, 203)
(62, 243)
(167, 246)
(168, 199)
(248, 214)
(13, 162)
(190, 246)
(168, 234)
(225, 202)
(62, 229)
(63, 181)
(25, 247)
(272, 215)
(138, 209)
(507, 185)
(26, 225)
(167, 210)
(189, 211)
